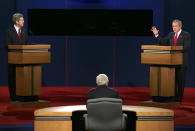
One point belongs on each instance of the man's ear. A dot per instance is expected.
(17, 22)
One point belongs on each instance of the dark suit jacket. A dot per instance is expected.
(12, 38)
(102, 91)
(184, 40)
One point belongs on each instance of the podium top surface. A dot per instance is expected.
(27, 47)
(67, 111)
(158, 47)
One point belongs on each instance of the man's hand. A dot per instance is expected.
(154, 30)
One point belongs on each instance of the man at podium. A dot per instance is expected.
(177, 38)
(15, 35)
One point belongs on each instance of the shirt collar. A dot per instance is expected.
(178, 33)
(16, 28)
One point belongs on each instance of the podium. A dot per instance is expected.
(162, 61)
(27, 60)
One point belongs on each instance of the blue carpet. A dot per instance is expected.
(23, 127)
(185, 128)
(30, 127)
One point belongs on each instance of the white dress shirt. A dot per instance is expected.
(17, 29)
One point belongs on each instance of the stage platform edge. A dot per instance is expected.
(40, 103)
(161, 105)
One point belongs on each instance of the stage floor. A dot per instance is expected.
(62, 96)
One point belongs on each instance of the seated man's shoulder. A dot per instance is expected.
(92, 89)
(112, 89)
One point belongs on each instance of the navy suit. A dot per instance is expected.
(12, 38)
(102, 91)
(184, 40)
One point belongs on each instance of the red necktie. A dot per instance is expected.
(175, 39)
(19, 34)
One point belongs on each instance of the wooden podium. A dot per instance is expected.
(162, 60)
(27, 60)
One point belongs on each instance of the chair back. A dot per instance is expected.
(105, 114)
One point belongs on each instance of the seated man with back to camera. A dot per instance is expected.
(102, 89)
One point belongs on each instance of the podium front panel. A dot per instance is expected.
(162, 81)
(162, 59)
(28, 80)
(29, 58)
(167, 81)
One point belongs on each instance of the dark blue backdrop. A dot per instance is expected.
(76, 60)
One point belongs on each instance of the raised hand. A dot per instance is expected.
(154, 30)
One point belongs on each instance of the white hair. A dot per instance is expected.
(102, 79)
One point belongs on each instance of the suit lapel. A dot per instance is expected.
(21, 34)
(180, 39)
(16, 34)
